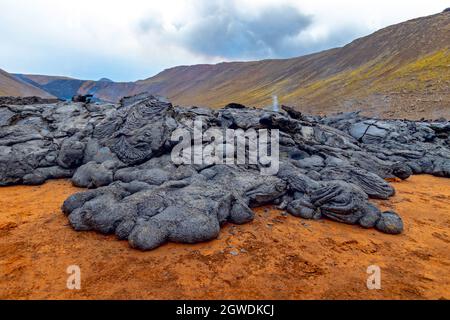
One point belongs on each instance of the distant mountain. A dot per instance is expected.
(65, 88)
(399, 71)
(11, 86)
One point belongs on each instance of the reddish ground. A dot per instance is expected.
(275, 257)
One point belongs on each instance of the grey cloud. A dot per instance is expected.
(221, 29)
(227, 32)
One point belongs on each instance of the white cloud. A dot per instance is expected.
(96, 38)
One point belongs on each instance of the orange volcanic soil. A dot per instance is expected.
(275, 257)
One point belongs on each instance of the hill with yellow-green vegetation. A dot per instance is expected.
(399, 71)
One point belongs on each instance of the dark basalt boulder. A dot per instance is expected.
(128, 101)
(371, 216)
(329, 167)
(82, 98)
(340, 201)
(40, 175)
(390, 223)
(294, 114)
(303, 208)
(370, 131)
(93, 175)
(374, 186)
(71, 154)
(139, 131)
(441, 168)
(402, 171)
(235, 106)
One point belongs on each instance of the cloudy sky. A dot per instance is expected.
(135, 39)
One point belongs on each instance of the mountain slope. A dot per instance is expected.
(402, 70)
(399, 71)
(11, 86)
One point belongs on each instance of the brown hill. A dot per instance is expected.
(402, 70)
(11, 86)
(399, 71)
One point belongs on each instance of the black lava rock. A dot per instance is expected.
(329, 167)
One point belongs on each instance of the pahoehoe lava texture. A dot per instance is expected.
(329, 166)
